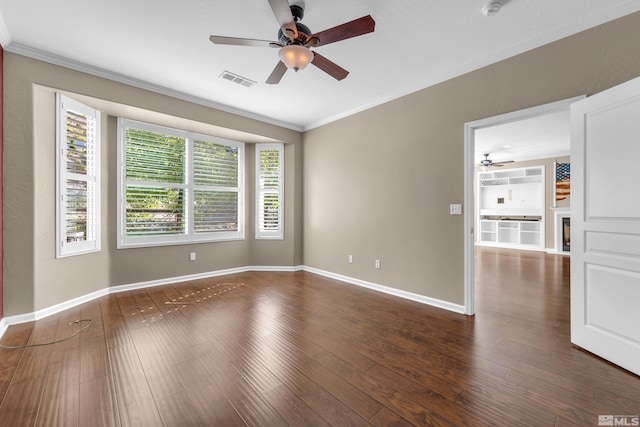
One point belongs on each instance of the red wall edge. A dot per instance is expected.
(1, 184)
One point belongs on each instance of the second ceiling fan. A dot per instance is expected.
(486, 162)
(295, 41)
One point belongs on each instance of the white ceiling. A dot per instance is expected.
(541, 137)
(164, 45)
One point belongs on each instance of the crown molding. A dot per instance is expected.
(50, 58)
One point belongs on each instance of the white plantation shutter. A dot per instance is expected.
(155, 185)
(215, 179)
(78, 178)
(177, 187)
(269, 191)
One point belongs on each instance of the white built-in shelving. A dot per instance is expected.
(511, 208)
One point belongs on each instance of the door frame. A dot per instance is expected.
(469, 187)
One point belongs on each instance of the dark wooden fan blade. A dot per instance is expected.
(235, 41)
(329, 67)
(282, 12)
(277, 73)
(354, 28)
(502, 163)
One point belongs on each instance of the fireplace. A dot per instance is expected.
(566, 234)
(562, 230)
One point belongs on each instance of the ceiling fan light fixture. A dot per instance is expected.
(295, 56)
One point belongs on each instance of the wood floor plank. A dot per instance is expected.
(215, 409)
(22, 399)
(605, 399)
(194, 373)
(35, 360)
(244, 382)
(61, 395)
(361, 403)
(335, 412)
(284, 367)
(94, 359)
(388, 418)
(411, 367)
(569, 422)
(292, 408)
(135, 401)
(97, 405)
(115, 330)
(254, 407)
(136, 405)
(492, 402)
(159, 372)
(21, 404)
(415, 403)
(178, 410)
(324, 341)
(9, 358)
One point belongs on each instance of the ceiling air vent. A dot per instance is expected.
(243, 81)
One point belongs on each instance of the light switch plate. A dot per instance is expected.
(455, 209)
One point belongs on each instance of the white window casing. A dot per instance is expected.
(177, 187)
(77, 178)
(269, 191)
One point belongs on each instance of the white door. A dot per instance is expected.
(605, 224)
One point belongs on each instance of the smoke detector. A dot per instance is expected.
(492, 8)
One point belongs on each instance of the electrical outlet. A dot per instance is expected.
(350, 259)
(192, 256)
(378, 263)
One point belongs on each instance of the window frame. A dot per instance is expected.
(64, 104)
(189, 236)
(260, 233)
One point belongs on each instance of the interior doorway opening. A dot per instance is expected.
(471, 161)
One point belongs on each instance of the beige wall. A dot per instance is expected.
(378, 184)
(34, 278)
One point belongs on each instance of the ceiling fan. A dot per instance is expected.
(486, 162)
(295, 41)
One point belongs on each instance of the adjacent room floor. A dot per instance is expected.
(270, 349)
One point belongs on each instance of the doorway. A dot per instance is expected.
(471, 157)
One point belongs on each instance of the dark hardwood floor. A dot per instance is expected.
(271, 349)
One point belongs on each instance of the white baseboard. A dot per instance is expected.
(289, 269)
(45, 312)
(176, 279)
(554, 252)
(391, 291)
(511, 246)
(3, 327)
(40, 314)
(15, 320)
